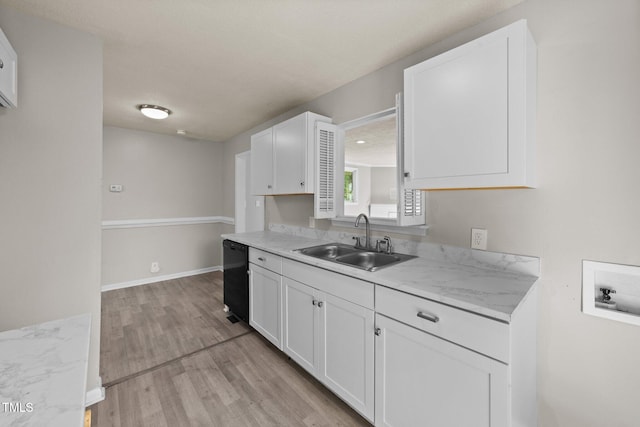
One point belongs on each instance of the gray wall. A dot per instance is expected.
(585, 207)
(50, 169)
(163, 177)
(383, 181)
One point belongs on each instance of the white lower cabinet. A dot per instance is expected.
(301, 321)
(440, 366)
(333, 339)
(347, 352)
(265, 303)
(398, 359)
(423, 380)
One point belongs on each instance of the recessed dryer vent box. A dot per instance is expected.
(611, 291)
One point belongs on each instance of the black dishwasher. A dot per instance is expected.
(236, 278)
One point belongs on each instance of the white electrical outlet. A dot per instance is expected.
(155, 267)
(479, 239)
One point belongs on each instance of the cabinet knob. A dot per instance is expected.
(262, 259)
(301, 183)
(319, 303)
(377, 331)
(314, 302)
(1, 64)
(269, 186)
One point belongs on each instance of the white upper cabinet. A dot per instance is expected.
(262, 162)
(8, 73)
(285, 160)
(470, 114)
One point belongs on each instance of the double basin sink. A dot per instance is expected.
(365, 259)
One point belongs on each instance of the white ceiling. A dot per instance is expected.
(224, 66)
(379, 147)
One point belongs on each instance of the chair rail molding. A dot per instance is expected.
(161, 222)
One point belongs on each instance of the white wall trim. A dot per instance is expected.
(160, 222)
(156, 279)
(95, 395)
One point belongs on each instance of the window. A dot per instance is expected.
(350, 185)
(370, 158)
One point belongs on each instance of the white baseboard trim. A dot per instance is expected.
(156, 279)
(161, 222)
(94, 396)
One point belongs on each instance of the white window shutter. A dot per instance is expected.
(325, 195)
(412, 207)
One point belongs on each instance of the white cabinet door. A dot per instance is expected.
(422, 380)
(347, 346)
(290, 154)
(470, 114)
(262, 165)
(301, 317)
(265, 299)
(333, 340)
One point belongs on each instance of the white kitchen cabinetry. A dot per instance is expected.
(301, 321)
(262, 162)
(265, 295)
(425, 380)
(329, 333)
(285, 156)
(8, 73)
(470, 114)
(446, 367)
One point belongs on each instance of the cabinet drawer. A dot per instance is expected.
(345, 287)
(266, 260)
(484, 335)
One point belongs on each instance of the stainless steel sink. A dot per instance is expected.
(355, 257)
(330, 251)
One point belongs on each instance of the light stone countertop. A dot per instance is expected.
(43, 373)
(489, 284)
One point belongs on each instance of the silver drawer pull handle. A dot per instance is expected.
(430, 317)
(262, 259)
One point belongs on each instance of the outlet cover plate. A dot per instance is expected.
(479, 238)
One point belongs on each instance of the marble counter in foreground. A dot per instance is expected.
(490, 284)
(43, 373)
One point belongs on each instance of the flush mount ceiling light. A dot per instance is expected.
(360, 141)
(154, 111)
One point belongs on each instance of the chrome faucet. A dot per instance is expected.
(367, 242)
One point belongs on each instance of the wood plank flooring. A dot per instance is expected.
(145, 326)
(235, 377)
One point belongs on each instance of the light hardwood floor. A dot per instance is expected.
(195, 368)
(145, 326)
